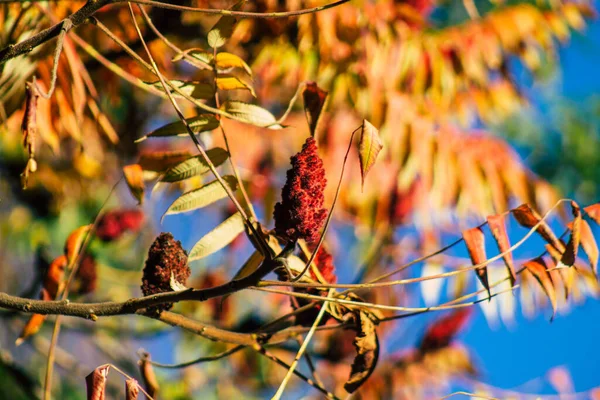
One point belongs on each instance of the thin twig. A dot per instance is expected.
(303, 347)
(199, 360)
(66, 25)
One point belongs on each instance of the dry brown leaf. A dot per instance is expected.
(528, 218)
(314, 99)
(96, 383)
(147, 372)
(570, 254)
(367, 352)
(538, 269)
(132, 389)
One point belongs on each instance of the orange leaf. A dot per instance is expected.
(588, 242)
(160, 161)
(314, 99)
(593, 212)
(528, 218)
(54, 277)
(74, 242)
(497, 225)
(538, 268)
(31, 328)
(96, 383)
(475, 241)
(570, 253)
(134, 176)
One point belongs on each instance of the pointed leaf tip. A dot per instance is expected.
(475, 241)
(369, 147)
(314, 100)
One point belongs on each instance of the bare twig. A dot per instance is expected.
(66, 25)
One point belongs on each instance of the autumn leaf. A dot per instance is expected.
(53, 278)
(528, 218)
(218, 238)
(96, 383)
(134, 176)
(367, 352)
(588, 242)
(475, 241)
(539, 270)
(251, 114)
(227, 61)
(593, 212)
(442, 332)
(197, 90)
(230, 82)
(570, 254)
(369, 147)
(314, 99)
(497, 226)
(31, 328)
(160, 161)
(74, 242)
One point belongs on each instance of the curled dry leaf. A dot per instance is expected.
(96, 383)
(475, 241)
(570, 254)
(132, 389)
(497, 225)
(369, 147)
(593, 212)
(29, 129)
(367, 352)
(314, 100)
(74, 242)
(134, 176)
(539, 270)
(147, 372)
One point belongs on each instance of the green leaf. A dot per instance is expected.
(200, 123)
(223, 29)
(201, 197)
(197, 90)
(251, 114)
(195, 166)
(226, 61)
(218, 238)
(369, 147)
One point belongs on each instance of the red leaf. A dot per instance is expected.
(475, 241)
(539, 270)
(442, 332)
(497, 225)
(570, 254)
(314, 100)
(96, 383)
(588, 242)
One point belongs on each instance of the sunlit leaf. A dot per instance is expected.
(96, 383)
(528, 218)
(199, 54)
(53, 279)
(593, 212)
(538, 269)
(497, 226)
(314, 99)
(74, 242)
(367, 352)
(251, 114)
(197, 90)
(32, 327)
(226, 61)
(588, 242)
(369, 147)
(570, 253)
(134, 176)
(200, 123)
(201, 197)
(218, 238)
(223, 29)
(230, 82)
(475, 242)
(195, 166)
